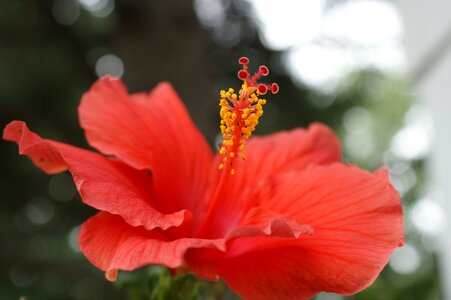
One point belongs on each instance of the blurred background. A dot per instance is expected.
(377, 71)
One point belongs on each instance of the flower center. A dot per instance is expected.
(240, 113)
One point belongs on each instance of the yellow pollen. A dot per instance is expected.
(240, 113)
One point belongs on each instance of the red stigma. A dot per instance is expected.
(243, 60)
(263, 70)
(262, 89)
(242, 74)
(251, 82)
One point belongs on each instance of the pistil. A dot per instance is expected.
(240, 113)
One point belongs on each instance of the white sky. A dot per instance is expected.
(325, 43)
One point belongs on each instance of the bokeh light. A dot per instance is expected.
(415, 139)
(99, 8)
(405, 260)
(428, 217)
(66, 12)
(39, 210)
(109, 64)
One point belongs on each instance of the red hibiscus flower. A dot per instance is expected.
(277, 217)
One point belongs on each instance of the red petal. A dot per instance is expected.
(259, 222)
(103, 183)
(111, 244)
(357, 221)
(328, 196)
(266, 156)
(43, 154)
(289, 150)
(150, 131)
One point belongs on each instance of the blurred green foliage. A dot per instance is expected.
(159, 284)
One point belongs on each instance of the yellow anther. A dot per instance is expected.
(234, 96)
(221, 166)
(231, 154)
(242, 156)
(223, 150)
(242, 147)
(231, 90)
(232, 171)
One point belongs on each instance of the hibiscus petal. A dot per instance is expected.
(357, 222)
(334, 197)
(103, 183)
(111, 244)
(150, 131)
(265, 156)
(262, 222)
(290, 150)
